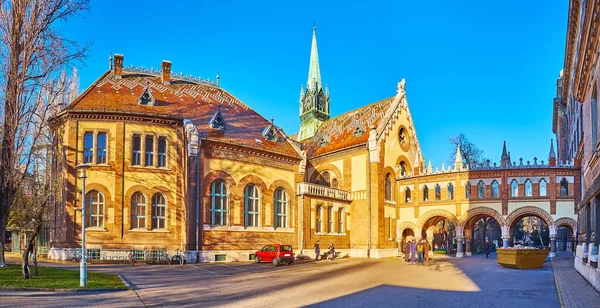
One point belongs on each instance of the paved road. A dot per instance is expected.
(469, 282)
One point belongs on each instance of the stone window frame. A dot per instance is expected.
(495, 189)
(437, 192)
(425, 193)
(224, 198)
(142, 152)
(388, 187)
(278, 204)
(319, 219)
(564, 184)
(528, 188)
(341, 222)
(101, 207)
(481, 190)
(255, 198)
(514, 188)
(468, 190)
(407, 195)
(94, 146)
(138, 216)
(545, 186)
(450, 190)
(154, 215)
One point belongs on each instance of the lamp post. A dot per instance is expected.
(82, 168)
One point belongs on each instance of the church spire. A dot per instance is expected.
(314, 72)
(504, 160)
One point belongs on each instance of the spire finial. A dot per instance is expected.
(458, 161)
(314, 71)
(314, 25)
(552, 154)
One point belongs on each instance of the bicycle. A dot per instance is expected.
(178, 258)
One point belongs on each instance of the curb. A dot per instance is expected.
(127, 285)
(560, 299)
(60, 290)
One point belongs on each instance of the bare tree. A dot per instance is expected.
(33, 53)
(471, 154)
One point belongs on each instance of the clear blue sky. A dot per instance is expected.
(487, 69)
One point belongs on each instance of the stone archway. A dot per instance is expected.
(471, 217)
(427, 225)
(436, 213)
(482, 211)
(565, 234)
(521, 212)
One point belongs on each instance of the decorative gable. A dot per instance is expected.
(217, 121)
(270, 132)
(359, 130)
(146, 99)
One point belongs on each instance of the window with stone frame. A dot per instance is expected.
(341, 220)
(403, 168)
(218, 203)
(318, 219)
(438, 192)
(388, 187)
(136, 150)
(528, 188)
(88, 148)
(495, 189)
(564, 187)
(159, 211)
(334, 183)
(251, 206)
(594, 116)
(138, 211)
(450, 191)
(407, 195)
(101, 151)
(162, 152)
(281, 208)
(514, 188)
(481, 190)
(94, 209)
(425, 193)
(330, 219)
(468, 190)
(326, 178)
(149, 153)
(542, 188)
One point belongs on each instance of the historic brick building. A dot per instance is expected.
(178, 163)
(576, 126)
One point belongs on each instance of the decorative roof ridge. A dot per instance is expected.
(154, 72)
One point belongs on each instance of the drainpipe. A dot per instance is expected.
(198, 203)
(369, 205)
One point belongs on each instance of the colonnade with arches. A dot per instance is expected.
(464, 226)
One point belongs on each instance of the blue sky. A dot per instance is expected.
(482, 68)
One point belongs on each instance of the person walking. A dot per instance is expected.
(317, 250)
(331, 251)
(426, 249)
(420, 251)
(487, 247)
(413, 251)
(406, 251)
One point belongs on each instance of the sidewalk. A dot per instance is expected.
(573, 290)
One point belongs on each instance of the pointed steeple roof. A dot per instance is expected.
(458, 161)
(314, 72)
(552, 154)
(504, 154)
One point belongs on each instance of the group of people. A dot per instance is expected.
(416, 250)
(331, 252)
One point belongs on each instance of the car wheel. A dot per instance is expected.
(275, 262)
(256, 259)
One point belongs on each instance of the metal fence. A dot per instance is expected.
(122, 256)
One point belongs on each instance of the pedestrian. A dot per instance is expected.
(420, 251)
(332, 251)
(413, 251)
(406, 251)
(426, 249)
(486, 247)
(317, 251)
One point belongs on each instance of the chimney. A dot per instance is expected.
(166, 72)
(118, 66)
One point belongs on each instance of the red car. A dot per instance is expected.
(277, 253)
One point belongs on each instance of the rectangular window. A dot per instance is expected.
(341, 220)
(88, 148)
(149, 153)
(162, 152)
(389, 225)
(136, 148)
(330, 219)
(318, 219)
(101, 148)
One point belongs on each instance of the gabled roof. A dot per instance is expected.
(347, 130)
(181, 99)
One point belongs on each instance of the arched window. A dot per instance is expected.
(481, 190)
(334, 183)
(425, 193)
(251, 205)
(402, 137)
(94, 209)
(388, 187)
(402, 168)
(138, 210)
(528, 188)
(564, 187)
(326, 178)
(407, 195)
(542, 188)
(218, 203)
(514, 188)
(281, 208)
(159, 211)
(438, 192)
(495, 189)
(450, 191)
(468, 190)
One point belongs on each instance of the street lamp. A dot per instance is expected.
(82, 168)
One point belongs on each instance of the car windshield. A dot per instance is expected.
(286, 247)
(266, 248)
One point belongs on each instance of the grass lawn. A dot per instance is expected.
(56, 278)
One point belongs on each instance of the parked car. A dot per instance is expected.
(276, 253)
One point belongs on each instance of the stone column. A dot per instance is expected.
(468, 242)
(459, 246)
(430, 237)
(505, 237)
(552, 246)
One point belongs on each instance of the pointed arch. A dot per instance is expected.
(482, 211)
(521, 212)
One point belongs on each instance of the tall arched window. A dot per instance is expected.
(218, 203)
(326, 178)
(138, 210)
(94, 209)
(388, 187)
(450, 191)
(402, 168)
(438, 192)
(281, 208)
(407, 195)
(495, 189)
(528, 188)
(334, 183)
(251, 205)
(542, 188)
(514, 188)
(564, 187)
(468, 190)
(481, 190)
(159, 211)
(425, 193)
